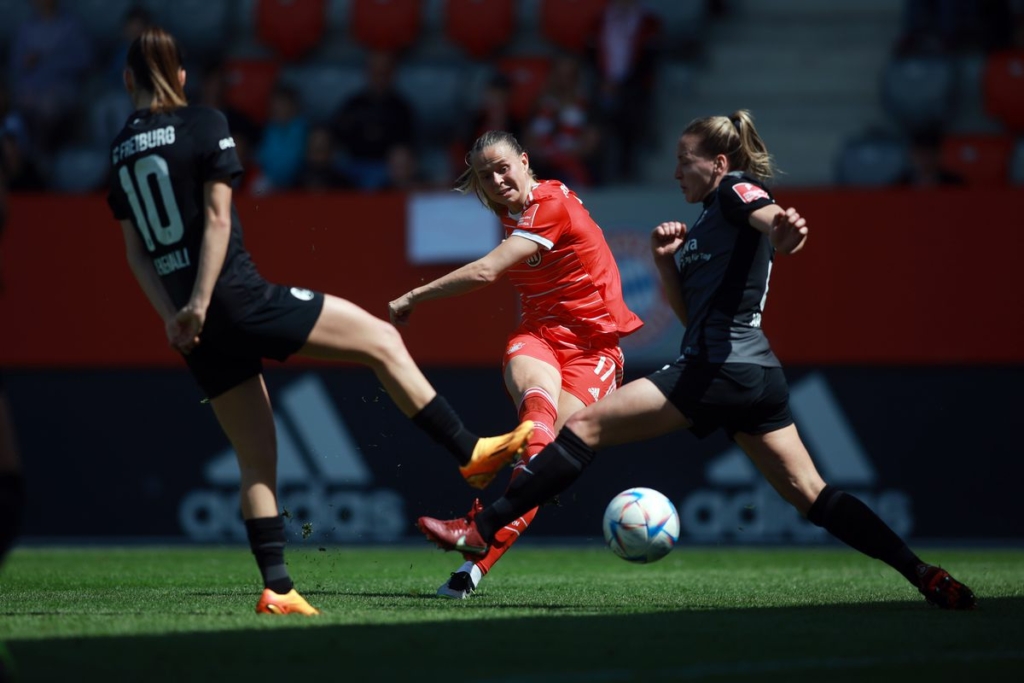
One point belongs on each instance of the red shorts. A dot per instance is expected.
(587, 374)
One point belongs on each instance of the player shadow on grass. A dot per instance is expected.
(845, 642)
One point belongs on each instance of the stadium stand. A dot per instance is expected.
(528, 76)
(248, 85)
(980, 159)
(386, 24)
(918, 91)
(1004, 88)
(569, 23)
(292, 29)
(871, 160)
(479, 27)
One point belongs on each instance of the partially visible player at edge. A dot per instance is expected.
(715, 276)
(565, 353)
(170, 190)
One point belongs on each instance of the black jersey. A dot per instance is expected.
(725, 265)
(160, 163)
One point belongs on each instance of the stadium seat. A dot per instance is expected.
(479, 27)
(528, 76)
(437, 93)
(101, 19)
(569, 23)
(14, 13)
(108, 112)
(291, 27)
(871, 161)
(1004, 88)
(200, 25)
(80, 169)
(1017, 163)
(980, 159)
(248, 85)
(918, 91)
(386, 24)
(323, 87)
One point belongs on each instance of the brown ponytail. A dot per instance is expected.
(154, 59)
(736, 137)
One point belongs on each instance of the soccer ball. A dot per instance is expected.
(641, 525)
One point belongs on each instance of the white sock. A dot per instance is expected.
(474, 572)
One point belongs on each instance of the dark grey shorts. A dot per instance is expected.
(736, 397)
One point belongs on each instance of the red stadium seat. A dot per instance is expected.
(479, 26)
(1003, 87)
(528, 75)
(569, 23)
(248, 85)
(980, 159)
(292, 28)
(386, 24)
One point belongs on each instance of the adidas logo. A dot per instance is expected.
(322, 478)
(757, 513)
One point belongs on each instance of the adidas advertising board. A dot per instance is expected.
(141, 458)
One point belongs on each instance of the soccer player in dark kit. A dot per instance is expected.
(171, 192)
(715, 276)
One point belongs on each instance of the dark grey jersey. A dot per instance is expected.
(725, 264)
(159, 165)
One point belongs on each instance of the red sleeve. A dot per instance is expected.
(546, 221)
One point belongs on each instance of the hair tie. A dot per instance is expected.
(737, 123)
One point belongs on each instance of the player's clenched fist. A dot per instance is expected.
(667, 237)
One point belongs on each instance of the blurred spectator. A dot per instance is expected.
(320, 171)
(282, 148)
(404, 171)
(943, 26)
(625, 49)
(213, 94)
(561, 136)
(16, 163)
(135, 21)
(925, 163)
(371, 122)
(492, 112)
(50, 56)
(252, 181)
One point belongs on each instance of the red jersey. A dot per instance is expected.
(571, 288)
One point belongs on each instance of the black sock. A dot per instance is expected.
(445, 427)
(549, 473)
(266, 538)
(12, 506)
(851, 521)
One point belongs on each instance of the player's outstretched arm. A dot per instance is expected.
(786, 228)
(467, 278)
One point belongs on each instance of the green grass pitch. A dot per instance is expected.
(546, 614)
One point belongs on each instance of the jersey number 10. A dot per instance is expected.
(168, 227)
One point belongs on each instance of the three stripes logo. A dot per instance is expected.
(742, 506)
(322, 478)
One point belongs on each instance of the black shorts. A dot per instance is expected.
(736, 397)
(230, 353)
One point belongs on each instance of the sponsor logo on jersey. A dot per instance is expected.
(322, 478)
(534, 260)
(302, 294)
(515, 347)
(748, 192)
(226, 143)
(741, 506)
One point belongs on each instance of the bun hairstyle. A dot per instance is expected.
(735, 137)
(154, 59)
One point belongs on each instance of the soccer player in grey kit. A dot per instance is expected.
(715, 276)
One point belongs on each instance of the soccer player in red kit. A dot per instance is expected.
(565, 353)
